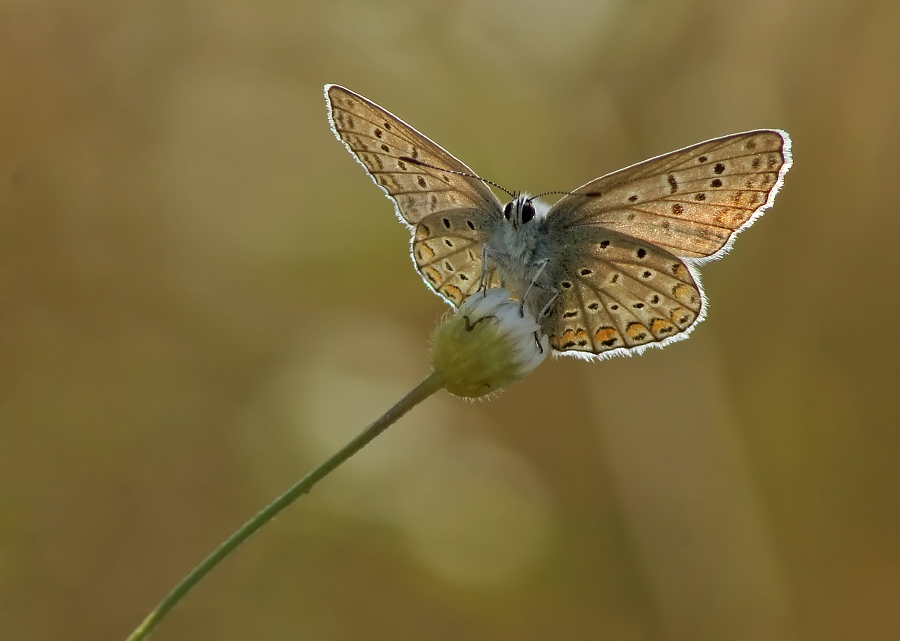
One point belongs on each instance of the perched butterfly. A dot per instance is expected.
(611, 268)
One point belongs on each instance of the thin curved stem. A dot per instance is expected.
(423, 390)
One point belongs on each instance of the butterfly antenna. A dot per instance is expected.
(564, 193)
(458, 173)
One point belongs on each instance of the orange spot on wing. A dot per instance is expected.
(687, 295)
(637, 332)
(424, 252)
(433, 276)
(606, 338)
(571, 339)
(453, 293)
(662, 328)
(682, 317)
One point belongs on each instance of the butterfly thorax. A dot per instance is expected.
(518, 246)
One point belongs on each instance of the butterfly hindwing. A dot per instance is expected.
(617, 294)
(691, 202)
(391, 151)
(447, 249)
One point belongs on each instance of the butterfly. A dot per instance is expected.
(611, 267)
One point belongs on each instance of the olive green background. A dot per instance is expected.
(202, 295)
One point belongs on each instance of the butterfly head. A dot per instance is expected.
(520, 210)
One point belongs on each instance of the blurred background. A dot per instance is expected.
(202, 295)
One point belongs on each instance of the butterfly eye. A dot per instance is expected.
(527, 212)
(507, 211)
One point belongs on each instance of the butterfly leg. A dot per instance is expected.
(547, 307)
(486, 254)
(482, 286)
(537, 339)
(544, 312)
(534, 282)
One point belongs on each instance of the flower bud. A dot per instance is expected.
(487, 344)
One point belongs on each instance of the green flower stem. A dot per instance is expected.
(423, 390)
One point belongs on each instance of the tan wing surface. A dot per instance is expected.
(618, 294)
(447, 250)
(391, 151)
(691, 202)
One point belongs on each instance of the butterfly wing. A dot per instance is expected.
(691, 202)
(447, 249)
(629, 241)
(617, 294)
(451, 214)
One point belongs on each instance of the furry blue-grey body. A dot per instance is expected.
(520, 248)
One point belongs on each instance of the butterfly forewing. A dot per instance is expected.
(690, 202)
(616, 294)
(391, 151)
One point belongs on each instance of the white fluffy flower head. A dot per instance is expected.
(487, 344)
